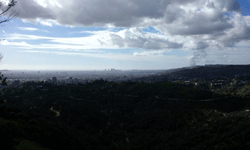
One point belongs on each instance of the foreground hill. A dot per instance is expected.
(100, 115)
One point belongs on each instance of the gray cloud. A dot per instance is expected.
(30, 10)
(198, 55)
(136, 38)
(234, 6)
(119, 13)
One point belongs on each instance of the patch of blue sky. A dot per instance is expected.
(87, 31)
(35, 42)
(16, 25)
(245, 6)
(228, 14)
(121, 51)
(151, 29)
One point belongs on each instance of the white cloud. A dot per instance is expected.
(136, 38)
(197, 25)
(170, 17)
(41, 2)
(127, 38)
(127, 13)
(112, 56)
(26, 37)
(148, 53)
(4, 42)
(4, 2)
(21, 44)
(28, 28)
(46, 23)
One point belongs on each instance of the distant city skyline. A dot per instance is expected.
(79, 70)
(110, 69)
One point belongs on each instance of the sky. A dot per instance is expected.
(124, 35)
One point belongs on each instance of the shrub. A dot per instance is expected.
(4, 80)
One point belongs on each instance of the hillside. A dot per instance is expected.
(209, 72)
(128, 115)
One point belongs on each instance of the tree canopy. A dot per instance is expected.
(4, 11)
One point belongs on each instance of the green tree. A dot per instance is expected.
(227, 82)
(182, 82)
(244, 91)
(4, 80)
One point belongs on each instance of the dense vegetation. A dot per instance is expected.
(3, 80)
(124, 115)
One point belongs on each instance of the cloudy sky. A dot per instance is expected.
(124, 34)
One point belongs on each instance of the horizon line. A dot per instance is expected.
(120, 69)
(85, 70)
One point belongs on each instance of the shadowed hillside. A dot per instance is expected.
(201, 72)
(129, 115)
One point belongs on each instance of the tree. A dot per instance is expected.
(4, 80)
(11, 4)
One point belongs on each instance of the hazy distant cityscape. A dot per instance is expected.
(75, 76)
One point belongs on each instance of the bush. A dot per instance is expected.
(215, 95)
(4, 80)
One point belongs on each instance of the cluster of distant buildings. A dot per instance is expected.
(68, 80)
(112, 69)
(52, 80)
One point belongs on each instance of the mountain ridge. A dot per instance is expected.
(209, 72)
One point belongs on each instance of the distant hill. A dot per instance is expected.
(201, 72)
